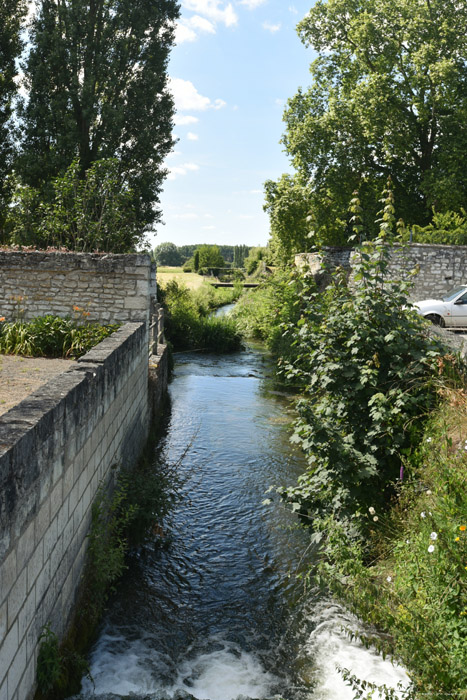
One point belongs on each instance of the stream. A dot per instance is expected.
(221, 611)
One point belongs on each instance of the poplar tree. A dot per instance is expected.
(11, 14)
(97, 81)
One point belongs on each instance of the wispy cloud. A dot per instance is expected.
(180, 170)
(188, 29)
(252, 4)
(192, 137)
(215, 10)
(185, 120)
(187, 97)
(186, 216)
(273, 28)
(293, 9)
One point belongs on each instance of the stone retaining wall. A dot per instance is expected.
(441, 267)
(108, 288)
(56, 447)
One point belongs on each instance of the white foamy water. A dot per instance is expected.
(330, 646)
(120, 668)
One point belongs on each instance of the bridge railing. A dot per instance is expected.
(156, 329)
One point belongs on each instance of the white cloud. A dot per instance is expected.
(279, 101)
(192, 137)
(185, 120)
(293, 10)
(202, 24)
(184, 33)
(215, 10)
(273, 28)
(174, 154)
(182, 170)
(188, 29)
(208, 228)
(252, 4)
(256, 191)
(187, 97)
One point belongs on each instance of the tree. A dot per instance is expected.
(11, 14)
(167, 254)
(210, 256)
(288, 203)
(97, 80)
(91, 213)
(389, 98)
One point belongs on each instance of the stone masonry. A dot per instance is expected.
(441, 267)
(108, 288)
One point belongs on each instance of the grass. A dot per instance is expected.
(190, 279)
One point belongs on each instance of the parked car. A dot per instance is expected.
(450, 311)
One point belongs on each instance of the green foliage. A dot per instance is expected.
(209, 256)
(167, 254)
(49, 662)
(188, 325)
(387, 98)
(51, 336)
(261, 312)
(240, 252)
(97, 80)
(364, 364)
(448, 228)
(288, 203)
(410, 577)
(11, 15)
(252, 262)
(94, 212)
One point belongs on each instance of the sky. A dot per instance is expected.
(234, 65)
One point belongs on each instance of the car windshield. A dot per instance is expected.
(453, 293)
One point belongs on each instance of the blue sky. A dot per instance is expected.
(233, 68)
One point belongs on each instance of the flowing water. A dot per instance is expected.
(220, 612)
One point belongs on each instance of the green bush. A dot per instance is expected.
(447, 228)
(51, 336)
(188, 325)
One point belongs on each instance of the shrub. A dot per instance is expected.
(51, 336)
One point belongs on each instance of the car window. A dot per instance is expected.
(453, 293)
(462, 299)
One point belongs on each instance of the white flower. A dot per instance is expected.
(428, 439)
(431, 548)
(375, 519)
(423, 515)
(389, 579)
(428, 493)
(407, 541)
(371, 510)
(433, 536)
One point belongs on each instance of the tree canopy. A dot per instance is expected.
(11, 14)
(167, 254)
(388, 98)
(97, 81)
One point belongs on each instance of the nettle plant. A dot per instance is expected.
(366, 367)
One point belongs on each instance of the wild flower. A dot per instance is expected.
(389, 579)
(428, 493)
(433, 536)
(431, 548)
(457, 539)
(423, 515)
(2, 318)
(375, 519)
(462, 528)
(371, 510)
(428, 439)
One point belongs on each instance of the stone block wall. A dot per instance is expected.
(56, 447)
(110, 288)
(441, 267)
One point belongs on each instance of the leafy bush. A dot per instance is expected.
(449, 228)
(51, 336)
(366, 369)
(188, 325)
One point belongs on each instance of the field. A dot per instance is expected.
(189, 279)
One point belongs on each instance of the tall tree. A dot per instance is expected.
(97, 80)
(11, 14)
(389, 97)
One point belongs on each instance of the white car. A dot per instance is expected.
(450, 311)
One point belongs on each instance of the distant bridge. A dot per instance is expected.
(247, 285)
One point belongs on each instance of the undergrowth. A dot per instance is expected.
(189, 323)
(51, 336)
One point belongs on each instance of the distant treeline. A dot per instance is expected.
(170, 254)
